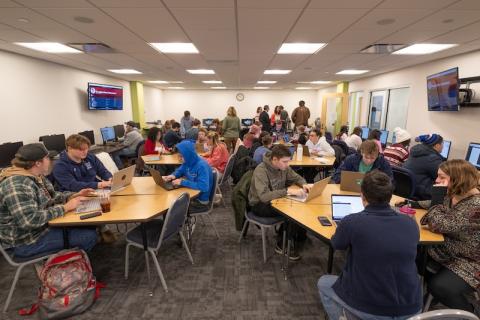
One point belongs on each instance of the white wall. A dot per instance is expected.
(214, 103)
(153, 104)
(39, 98)
(460, 127)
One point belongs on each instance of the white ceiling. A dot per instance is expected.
(239, 38)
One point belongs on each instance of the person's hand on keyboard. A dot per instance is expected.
(177, 182)
(104, 184)
(295, 192)
(168, 178)
(83, 193)
(72, 204)
(307, 187)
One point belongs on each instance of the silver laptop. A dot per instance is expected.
(122, 178)
(344, 205)
(315, 191)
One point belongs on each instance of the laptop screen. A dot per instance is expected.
(383, 137)
(473, 154)
(344, 205)
(446, 149)
(365, 131)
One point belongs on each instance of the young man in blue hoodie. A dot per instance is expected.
(379, 280)
(194, 173)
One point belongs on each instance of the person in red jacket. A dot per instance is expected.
(153, 143)
(218, 156)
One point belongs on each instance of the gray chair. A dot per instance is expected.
(226, 176)
(158, 231)
(445, 314)
(19, 263)
(264, 224)
(210, 206)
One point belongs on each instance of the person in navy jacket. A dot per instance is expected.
(368, 159)
(379, 279)
(77, 169)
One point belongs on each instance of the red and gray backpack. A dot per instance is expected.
(68, 286)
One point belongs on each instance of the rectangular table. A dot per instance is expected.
(165, 159)
(142, 186)
(311, 162)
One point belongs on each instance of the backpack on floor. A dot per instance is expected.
(68, 286)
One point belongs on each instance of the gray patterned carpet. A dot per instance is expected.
(227, 281)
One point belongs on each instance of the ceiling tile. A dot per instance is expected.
(199, 4)
(269, 4)
(55, 3)
(343, 4)
(8, 4)
(128, 3)
(466, 5)
(415, 4)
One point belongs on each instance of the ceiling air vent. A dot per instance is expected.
(382, 48)
(92, 47)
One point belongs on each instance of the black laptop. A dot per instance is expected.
(157, 177)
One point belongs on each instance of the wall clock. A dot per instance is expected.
(240, 96)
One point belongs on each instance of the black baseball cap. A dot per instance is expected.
(34, 152)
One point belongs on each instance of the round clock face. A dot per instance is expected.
(240, 97)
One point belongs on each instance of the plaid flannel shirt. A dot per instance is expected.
(26, 206)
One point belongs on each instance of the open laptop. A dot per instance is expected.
(157, 177)
(351, 181)
(344, 205)
(122, 178)
(316, 191)
(446, 149)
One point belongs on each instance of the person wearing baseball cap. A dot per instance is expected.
(132, 138)
(423, 161)
(28, 202)
(397, 153)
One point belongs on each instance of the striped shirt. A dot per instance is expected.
(396, 154)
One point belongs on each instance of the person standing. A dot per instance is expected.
(231, 128)
(301, 114)
(265, 119)
(186, 122)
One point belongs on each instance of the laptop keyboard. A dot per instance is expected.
(89, 206)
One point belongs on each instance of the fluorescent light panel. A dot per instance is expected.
(175, 88)
(315, 82)
(266, 82)
(218, 87)
(125, 71)
(424, 48)
(304, 88)
(50, 47)
(277, 71)
(201, 71)
(261, 88)
(174, 47)
(158, 81)
(300, 48)
(352, 71)
(212, 81)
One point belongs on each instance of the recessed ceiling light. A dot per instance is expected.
(261, 88)
(158, 81)
(266, 82)
(315, 82)
(352, 71)
(218, 87)
(125, 71)
(424, 48)
(304, 88)
(277, 71)
(212, 81)
(300, 48)
(175, 81)
(384, 22)
(176, 88)
(83, 19)
(50, 47)
(201, 71)
(174, 47)
(23, 20)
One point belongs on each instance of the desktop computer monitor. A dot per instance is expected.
(55, 142)
(365, 132)
(383, 137)
(247, 122)
(88, 134)
(119, 131)
(108, 134)
(7, 152)
(446, 148)
(473, 154)
(207, 122)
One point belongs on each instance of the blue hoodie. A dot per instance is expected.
(72, 176)
(195, 170)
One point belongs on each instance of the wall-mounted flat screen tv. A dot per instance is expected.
(105, 97)
(442, 91)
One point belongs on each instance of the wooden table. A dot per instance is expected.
(164, 159)
(142, 186)
(311, 162)
(306, 214)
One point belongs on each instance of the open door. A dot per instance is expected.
(334, 112)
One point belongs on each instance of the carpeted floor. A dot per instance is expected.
(228, 280)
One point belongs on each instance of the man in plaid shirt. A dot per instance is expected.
(28, 201)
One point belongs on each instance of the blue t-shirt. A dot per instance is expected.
(258, 155)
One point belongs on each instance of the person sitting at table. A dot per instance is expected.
(172, 137)
(397, 153)
(456, 261)
(28, 202)
(255, 130)
(202, 138)
(194, 173)
(375, 135)
(278, 131)
(192, 133)
(131, 141)
(154, 143)
(379, 279)
(342, 134)
(318, 145)
(355, 139)
(217, 157)
(300, 136)
(272, 179)
(267, 143)
(367, 159)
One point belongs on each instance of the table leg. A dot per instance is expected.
(66, 243)
(330, 259)
(145, 249)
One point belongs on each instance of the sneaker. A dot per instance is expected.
(278, 249)
(108, 236)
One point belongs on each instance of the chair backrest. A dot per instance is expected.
(140, 164)
(445, 314)
(175, 218)
(7, 257)
(228, 169)
(137, 148)
(213, 188)
(404, 182)
(107, 161)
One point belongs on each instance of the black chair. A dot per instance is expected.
(404, 182)
(8, 151)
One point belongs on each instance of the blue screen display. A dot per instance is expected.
(108, 134)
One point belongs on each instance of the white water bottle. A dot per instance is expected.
(299, 152)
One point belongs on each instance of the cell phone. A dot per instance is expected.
(324, 221)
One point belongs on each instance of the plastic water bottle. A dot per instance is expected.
(299, 152)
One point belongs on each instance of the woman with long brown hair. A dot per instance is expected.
(231, 128)
(218, 155)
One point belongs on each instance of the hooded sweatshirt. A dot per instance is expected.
(73, 176)
(196, 172)
(27, 203)
(423, 162)
(269, 183)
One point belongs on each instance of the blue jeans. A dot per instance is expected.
(337, 309)
(117, 156)
(52, 241)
